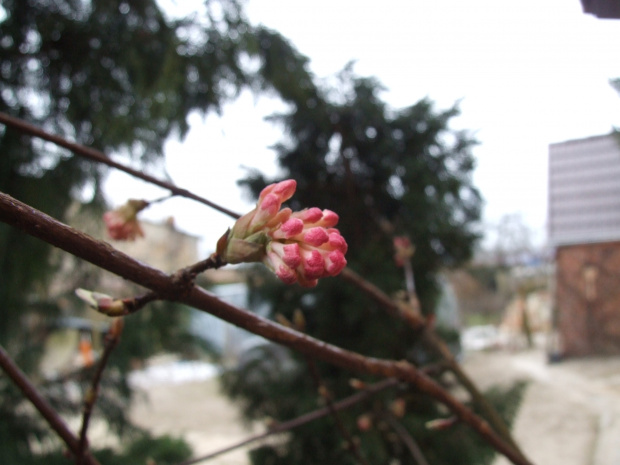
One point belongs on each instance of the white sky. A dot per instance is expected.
(528, 73)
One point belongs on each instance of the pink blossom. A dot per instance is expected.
(403, 250)
(122, 224)
(298, 246)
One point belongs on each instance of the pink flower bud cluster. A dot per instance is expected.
(122, 224)
(298, 246)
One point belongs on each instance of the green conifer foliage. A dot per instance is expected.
(386, 172)
(118, 76)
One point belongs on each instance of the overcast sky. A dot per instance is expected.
(527, 73)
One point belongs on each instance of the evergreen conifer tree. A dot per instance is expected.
(387, 173)
(121, 77)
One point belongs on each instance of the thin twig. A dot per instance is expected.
(38, 224)
(133, 304)
(213, 262)
(301, 420)
(44, 408)
(111, 341)
(414, 319)
(100, 157)
(406, 438)
(352, 445)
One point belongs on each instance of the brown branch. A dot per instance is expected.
(413, 319)
(44, 227)
(417, 321)
(302, 420)
(44, 408)
(111, 341)
(100, 157)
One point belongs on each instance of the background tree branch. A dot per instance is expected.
(45, 409)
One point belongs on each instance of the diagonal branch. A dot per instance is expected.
(44, 408)
(100, 157)
(302, 420)
(437, 345)
(42, 226)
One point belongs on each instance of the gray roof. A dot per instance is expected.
(584, 190)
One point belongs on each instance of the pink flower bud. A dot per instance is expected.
(403, 250)
(283, 189)
(337, 242)
(398, 407)
(278, 258)
(122, 223)
(298, 246)
(290, 228)
(289, 253)
(309, 215)
(316, 236)
(330, 219)
(335, 262)
(364, 422)
(313, 264)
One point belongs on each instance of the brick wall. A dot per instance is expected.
(588, 298)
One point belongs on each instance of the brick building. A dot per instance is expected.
(584, 229)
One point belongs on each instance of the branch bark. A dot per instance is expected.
(100, 157)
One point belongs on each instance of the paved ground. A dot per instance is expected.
(571, 410)
(185, 400)
(570, 414)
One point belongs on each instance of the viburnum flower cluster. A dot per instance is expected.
(122, 224)
(298, 246)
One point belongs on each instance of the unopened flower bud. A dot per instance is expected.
(364, 422)
(122, 224)
(398, 407)
(102, 303)
(403, 250)
(441, 424)
(298, 246)
(357, 384)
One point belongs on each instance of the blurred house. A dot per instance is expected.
(603, 9)
(584, 230)
(168, 249)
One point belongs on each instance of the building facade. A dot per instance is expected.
(584, 229)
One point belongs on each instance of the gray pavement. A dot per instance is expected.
(570, 413)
